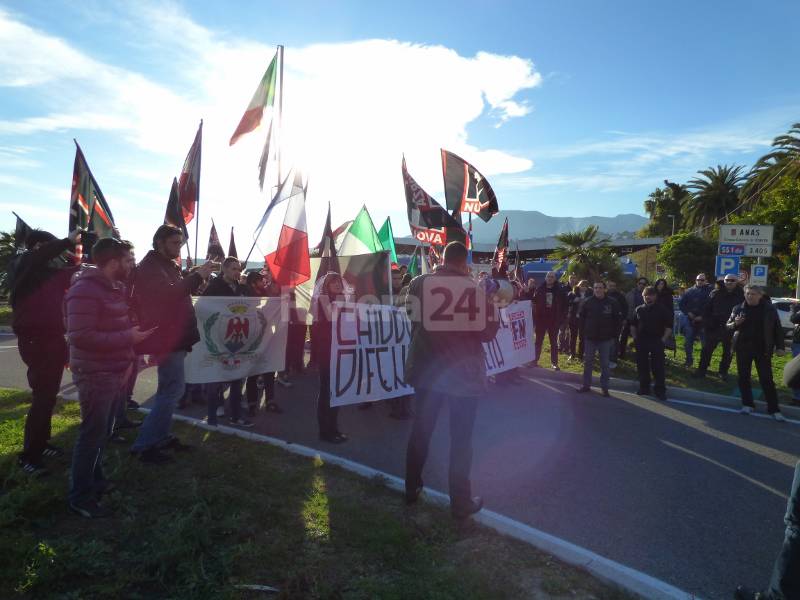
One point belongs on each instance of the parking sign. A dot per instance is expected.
(726, 265)
(758, 275)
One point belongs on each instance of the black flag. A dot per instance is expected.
(232, 247)
(21, 232)
(500, 258)
(215, 251)
(465, 189)
(174, 214)
(429, 222)
(326, 250)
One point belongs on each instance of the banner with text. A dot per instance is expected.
(239, 337)
(370, 343)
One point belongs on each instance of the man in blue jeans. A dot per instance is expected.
(162, 298)
(101, 339)
(693, 304)
(601, 320)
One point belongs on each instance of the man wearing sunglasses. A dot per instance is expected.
(720, 304)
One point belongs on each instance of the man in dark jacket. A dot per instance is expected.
(162, 299)
(101, 339)
(651, 326)
(758, 334)
(446, 365)
(39, 283)
(718, 309)
(601, 319)
(549, 310)
(633, 299)
(795, 319)
(692, 304)
(227, 284)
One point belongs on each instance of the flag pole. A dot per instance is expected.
(280, 109)
(197, 216)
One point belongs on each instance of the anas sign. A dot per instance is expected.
(746, 240)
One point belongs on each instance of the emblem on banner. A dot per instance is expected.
(227, 337)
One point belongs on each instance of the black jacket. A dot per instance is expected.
(773, 332)
(621, 300)
(574, 303)
(558, 303)
(795, 318)
(162, 297)
(601, 320)
(38, 290)
(99, 329)
(719, 307)
(451, 362)
(219, 287)
(651, 321)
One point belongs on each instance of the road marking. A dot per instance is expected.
(601, 567)
(727, 468)
(542, 383)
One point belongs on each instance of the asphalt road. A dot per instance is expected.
(690, 495)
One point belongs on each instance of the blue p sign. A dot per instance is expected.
(726, 265)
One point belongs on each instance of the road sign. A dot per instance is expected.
(731, 250)
(758, 275)
(756, 239)
(726, 265)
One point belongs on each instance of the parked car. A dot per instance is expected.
(783, 306)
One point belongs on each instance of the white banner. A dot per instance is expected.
(370, 344)
(239, 337)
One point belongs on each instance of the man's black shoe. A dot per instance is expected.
(51, 451)
(127, 424)
(467, 510)
(154, 456)
(723, 376)
(132, 404)
(662, 396)
(36, 469)
(413, 495)
(583, 389)
(606, 394)
(333, 438)
(90, 509)
(698, 374)
(642, 392)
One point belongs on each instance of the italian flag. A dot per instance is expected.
(287, 246)
(264, 97)
(387, 238)
(361, 237)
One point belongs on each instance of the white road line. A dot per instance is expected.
(603, 568)
(542, 383)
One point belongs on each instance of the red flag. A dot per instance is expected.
(189, 181)
(288, 256)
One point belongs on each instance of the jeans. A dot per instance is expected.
(692, 332)
(127, 392)
(327, 416)
(650, 358)
(551, 329)
(215, 399)
(785, 582)
(795, 352)
(171, 385)
(710, 340)
(462, 424)
(745, 357)
(604, 348)
(45, 357)
(100, 395)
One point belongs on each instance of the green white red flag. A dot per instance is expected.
(263, 98)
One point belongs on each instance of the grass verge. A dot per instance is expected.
(234, 512)
(681, 376)
(5, 314)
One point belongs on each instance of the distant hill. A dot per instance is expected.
(531, 224)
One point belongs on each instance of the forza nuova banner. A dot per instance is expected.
(239, 337)
(370, 345)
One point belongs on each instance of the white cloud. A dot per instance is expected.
(350, 111)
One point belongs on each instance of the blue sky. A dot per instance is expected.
(571, 108)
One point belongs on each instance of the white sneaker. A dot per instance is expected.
(746, 410)
(779, 417)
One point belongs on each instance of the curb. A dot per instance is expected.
(607, 570)
(676, 393)
(6, 329)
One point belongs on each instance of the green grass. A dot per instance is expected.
(5, 314)
(237, 512)
(680, 376)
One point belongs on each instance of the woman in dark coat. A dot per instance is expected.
(664, 295)
(331, 290)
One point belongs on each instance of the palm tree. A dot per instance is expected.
(8, 249)
(591, 256)
(784, 160)
(715, 195)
